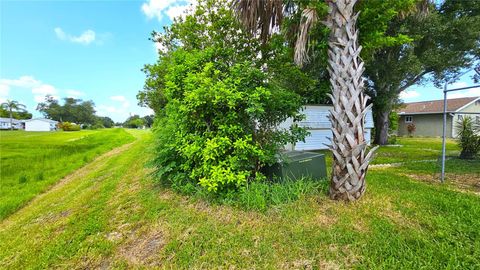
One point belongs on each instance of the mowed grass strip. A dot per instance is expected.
(31, 162)
(112, 215)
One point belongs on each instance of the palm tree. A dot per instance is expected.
(349, 147)
(10, 106)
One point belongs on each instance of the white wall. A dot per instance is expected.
(37, 125)
(318, 125)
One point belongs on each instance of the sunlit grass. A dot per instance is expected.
(32, 161)
(112, 215)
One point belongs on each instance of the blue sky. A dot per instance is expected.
(94, 50)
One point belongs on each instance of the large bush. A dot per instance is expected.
(219, 126)
(67, 126)
(218, 97)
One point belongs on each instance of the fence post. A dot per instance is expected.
(444, 139)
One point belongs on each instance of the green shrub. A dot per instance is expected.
(40, 176)
(468, 137)
(22, 179)
(97, 126)
(392, 139)
(217, 103)
(219, 127)
(67, 126)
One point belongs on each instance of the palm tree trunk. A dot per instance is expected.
(349, 147)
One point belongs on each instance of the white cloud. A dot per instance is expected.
(474, 92)
(74, 93)
(41, 91)
(117, 113)
(159, 47)
(44, 89)
(176, 11)
(4, 90)
(38, 88)
(85, 38)
(60, 34)
(122, 99)
(23, 81)
(118, 98)
(146, 111)
(109, 109)
(408, 94)
(171, 8)
(457, 85)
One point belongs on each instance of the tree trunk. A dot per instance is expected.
(381, 127)
(349, 147)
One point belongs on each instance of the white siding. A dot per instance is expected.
(317, 123)
(37, 125)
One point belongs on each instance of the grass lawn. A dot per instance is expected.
(110, 214)
(32, 161)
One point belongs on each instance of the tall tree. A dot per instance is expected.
(441, 40)
(12, 106)
(24, 114)
(73, 110)
(350, 104)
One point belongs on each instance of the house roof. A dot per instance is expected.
(436, 106)
(43, 119)
(7, 120)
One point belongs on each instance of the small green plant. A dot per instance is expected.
(22, 179)
(40, 176)
(392, 139)
(468, 137)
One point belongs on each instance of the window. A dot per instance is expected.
(408, 119)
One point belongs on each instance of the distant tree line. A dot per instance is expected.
(135, 121)
(74, 111)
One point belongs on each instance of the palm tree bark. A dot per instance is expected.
(349, 146)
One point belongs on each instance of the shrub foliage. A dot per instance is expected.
(218, 102)
(468, 137)
(67, 126)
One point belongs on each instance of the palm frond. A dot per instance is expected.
(309, 18)
(420, 10)
(260, 17)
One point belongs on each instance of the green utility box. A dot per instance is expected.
(297, 164)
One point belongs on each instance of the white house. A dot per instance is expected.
(40, 124)
(317, 123)
(5, 123)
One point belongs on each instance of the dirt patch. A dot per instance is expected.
(143, 250)
(51, 217)
(342, 257)
(460, 182)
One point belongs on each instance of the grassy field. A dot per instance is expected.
(110, 214)
(32, 161)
